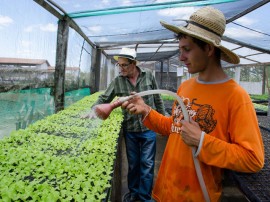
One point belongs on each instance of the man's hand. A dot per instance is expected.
(136, 105)
(191, 132)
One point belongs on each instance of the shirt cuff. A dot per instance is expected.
(147, 114)
(200, 144)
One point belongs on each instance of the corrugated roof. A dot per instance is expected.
(22, 61)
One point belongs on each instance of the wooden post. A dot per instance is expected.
(60, 65)
(95, 70)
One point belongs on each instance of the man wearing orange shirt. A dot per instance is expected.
(221, 131)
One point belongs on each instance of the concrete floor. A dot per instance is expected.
(231, 192)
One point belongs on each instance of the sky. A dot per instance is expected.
(28, 31)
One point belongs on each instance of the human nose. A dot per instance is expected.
(181, 56)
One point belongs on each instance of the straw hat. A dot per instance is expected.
(207, 24)
(126, 53)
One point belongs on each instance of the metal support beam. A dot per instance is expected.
(252, 8)
(237, 74)
(263, 79)
(60, 65)
(228, 39)
(95, 70)
(161, 74)
(144, 7)
(168, 74)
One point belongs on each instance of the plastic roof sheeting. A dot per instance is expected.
(135, 23)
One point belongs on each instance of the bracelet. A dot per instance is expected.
(200, 144)
(150, 108)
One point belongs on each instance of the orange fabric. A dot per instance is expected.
(233, 140)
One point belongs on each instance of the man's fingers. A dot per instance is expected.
(133, 109)
(130, 107)
(125, 104)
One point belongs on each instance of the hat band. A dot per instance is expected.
(205, 28)
(126, 56)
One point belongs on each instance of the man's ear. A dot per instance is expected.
(211, 49)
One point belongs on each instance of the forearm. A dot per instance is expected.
(157, 122)
(106, 97)
(232, 156)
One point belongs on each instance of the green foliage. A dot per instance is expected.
(252, 74)
(61, 157)
(259, 97)
(167, 97)
(260, 107)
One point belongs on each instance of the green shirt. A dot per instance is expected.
(121, 86)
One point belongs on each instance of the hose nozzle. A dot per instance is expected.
(104, 110)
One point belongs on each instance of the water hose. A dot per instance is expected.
(186, 118)
(104, 110)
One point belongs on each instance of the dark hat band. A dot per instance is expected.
(126, 56)
(203, 27)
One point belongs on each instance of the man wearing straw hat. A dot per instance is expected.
(221, 129)
(140, 141)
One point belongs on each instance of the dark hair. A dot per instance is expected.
(131, 61)
(199, 42)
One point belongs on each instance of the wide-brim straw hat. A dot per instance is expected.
(126, 53)
(207, 24)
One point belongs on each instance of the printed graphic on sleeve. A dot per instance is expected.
(203, 114)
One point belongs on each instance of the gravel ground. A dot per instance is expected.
(264, 121)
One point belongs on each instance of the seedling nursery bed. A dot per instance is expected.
(256, 186)
(61, 157)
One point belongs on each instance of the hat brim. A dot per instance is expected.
(226, 54)
(123, 56)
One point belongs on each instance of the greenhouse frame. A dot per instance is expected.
(55, 53)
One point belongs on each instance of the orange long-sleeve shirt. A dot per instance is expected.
(233, 140)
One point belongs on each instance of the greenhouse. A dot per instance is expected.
(56, 58)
